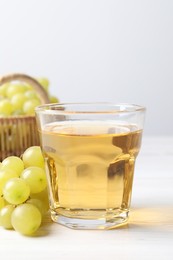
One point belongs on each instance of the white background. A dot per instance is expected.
(95, 50)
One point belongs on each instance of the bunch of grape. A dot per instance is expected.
(23, 191)
(21, 99)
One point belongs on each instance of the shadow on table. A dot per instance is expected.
(158, 218)
(45, 228)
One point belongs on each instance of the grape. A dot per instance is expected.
(2, 202)
(5, 216)
(18, 112)
(33, 157)
(26, 219)
(23, 187)
(6, 107)
(6, 175)
(13, 162)
(31, 94)
(29, 87)
(43, 196)
(53, 99)
(18, 101)
(14, 89)
(39, 204)
(3, 89)
(16, 191)
(44, 82)
(21, 99)
(35, 177)
(29, 106)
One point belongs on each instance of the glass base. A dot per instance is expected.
(91, 219)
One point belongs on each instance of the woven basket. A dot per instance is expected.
(17, 133)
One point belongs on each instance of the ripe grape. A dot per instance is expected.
(23, 191)
(30, 94)
(3, 89)
(53, 99)
(30, 105)
(39, 204)
(5, 216)
(43, 196)
(5, 175)
(44, 82)
(15, 89)
(29, 87)
(18, 101)
(33, 157)
(35, 177)
(18, 112)
(26, 219)
(16, 191)
(2, 202)
(13, 162)
(6, 107)
(21, 99)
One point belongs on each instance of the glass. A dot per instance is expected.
(90, 151)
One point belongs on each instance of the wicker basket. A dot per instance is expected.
(17, 133)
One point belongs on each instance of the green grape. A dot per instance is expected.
(18, 112)
(13, 162)
(26, 219)
(30, 105)
(3, 89)
(44, 82)
(35, 177)
(18, 101)
(31, 94)
(29, 87)
(5, 216)
(33, 157)
(5, 175)
(43, 196)
(6, 107)
(54, 99)
(16, 191)
(39, 204)
(2, 202)
(15, 89)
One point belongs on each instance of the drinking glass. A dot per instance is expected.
(90, 151)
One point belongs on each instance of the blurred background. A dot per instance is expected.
(95, 50)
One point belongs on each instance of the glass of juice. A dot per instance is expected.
(90, 151)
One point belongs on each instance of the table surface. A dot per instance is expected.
(148, 234)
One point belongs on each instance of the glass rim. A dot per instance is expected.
(110, 108)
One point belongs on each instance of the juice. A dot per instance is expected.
(90, 166)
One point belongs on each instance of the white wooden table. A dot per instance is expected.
(148, 235)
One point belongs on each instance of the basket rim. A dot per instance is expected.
(16, 117)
